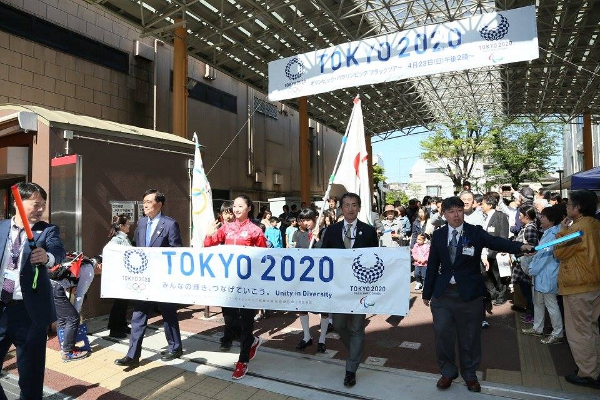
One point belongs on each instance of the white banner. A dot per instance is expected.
(482, 40)
(368, 281)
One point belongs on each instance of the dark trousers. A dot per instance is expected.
(117, 320)
(493, 282)
(139, 322)
(351, 328)
(30, 340)
(232, 328)
(68, 317)
(526, 291)
(246, 318)
(452, 319)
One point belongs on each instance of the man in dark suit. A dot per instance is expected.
(346, 234)
(154, 230)
(455, 282)
(496, 224)
(26, 311)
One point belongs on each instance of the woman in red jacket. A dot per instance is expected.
(241, 232)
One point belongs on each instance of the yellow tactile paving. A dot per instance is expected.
(236, 392)
(138, 387)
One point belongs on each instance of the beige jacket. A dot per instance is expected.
(579, 270)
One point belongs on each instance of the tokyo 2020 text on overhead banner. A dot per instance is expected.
(365, 281)
(483, 40)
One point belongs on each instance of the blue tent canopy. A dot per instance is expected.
(589, 179)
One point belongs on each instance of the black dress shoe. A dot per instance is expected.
(128, 362)
(304, 344)
(321, 348)
(225, 345)
(168, 356)
(577, 380)
(330, 327)
(350, 379)
(117, 335)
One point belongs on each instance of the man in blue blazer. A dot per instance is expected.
(454, 286)
(154, 230)
(350, 234)
(26, 311)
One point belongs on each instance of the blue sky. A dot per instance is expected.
(399, 155)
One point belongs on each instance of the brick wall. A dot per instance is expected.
(31, 73)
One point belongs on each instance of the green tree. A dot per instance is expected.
(396, 195)
(455, 147)
(522, 150)
(378, 174)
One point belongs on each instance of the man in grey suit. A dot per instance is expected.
(346, 234)
(27, 310)
(154, 230)
(454, 286)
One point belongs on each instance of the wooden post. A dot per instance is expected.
(588, 156)
(304, 150)
(180, 81)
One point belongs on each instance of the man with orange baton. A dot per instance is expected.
(28, 246)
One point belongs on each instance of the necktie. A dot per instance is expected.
(453, 246)
(348, 236)
(148, 232)
(8, 285)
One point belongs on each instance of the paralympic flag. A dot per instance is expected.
(352, 172)
(202, 205)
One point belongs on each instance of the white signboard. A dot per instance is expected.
(482, 40)
(123, 207)
(367, 281)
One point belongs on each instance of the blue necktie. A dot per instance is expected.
(148, 232)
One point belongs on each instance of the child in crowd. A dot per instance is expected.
(289, 232)
(226, 212)
(273, 234)
(307, 220)
(420, 255)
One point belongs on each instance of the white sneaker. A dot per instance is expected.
(418, 286)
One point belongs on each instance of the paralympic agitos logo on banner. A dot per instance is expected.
(368, 269)
(136, 264)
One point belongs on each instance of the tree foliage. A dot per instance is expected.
(396, 195)
(378, 174)
(522, 150)
(456, 146)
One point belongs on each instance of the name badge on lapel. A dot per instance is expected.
(491, 229)
(469, 251)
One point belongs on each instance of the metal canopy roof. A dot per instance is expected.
(240, 37)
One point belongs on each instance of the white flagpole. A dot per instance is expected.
(335, 168)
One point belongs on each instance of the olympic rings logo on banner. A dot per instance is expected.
(136, 286)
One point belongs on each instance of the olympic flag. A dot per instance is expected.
(202, 207)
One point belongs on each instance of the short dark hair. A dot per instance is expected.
(452, 202)
(273, 219)
(556, 197)
(307, 213)
(160, 197)
(227, 205)
(351, 196)
(291, 219)
(490, 200)
(555, 214)
(27, 189)
(529, 212)
(586, 200)
(477, 198)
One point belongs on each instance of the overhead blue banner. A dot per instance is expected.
(479, 41)
(368, 281)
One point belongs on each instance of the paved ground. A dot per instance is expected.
(514, 366)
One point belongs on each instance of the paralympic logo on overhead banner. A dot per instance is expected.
(431, 49)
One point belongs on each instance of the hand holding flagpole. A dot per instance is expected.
(28, 232)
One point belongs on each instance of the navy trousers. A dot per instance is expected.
(30, 340)
(139, 321)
